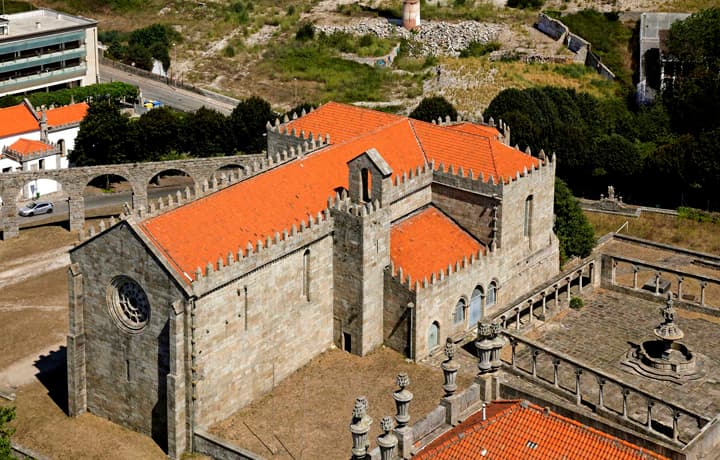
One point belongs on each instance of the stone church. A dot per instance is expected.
(360, 228)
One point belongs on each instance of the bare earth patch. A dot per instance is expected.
(308, 414)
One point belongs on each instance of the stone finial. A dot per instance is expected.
(387, 441)
(449, 368)
(488, 344)
(402, 399)
(359, 428)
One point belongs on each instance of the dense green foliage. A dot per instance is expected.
(608, 36)
(432, 108)
(7, 414)
(532, 4)
(477, 49)
(108, 137)
(576, 235)
(14, 6)
(141, 46)
(116, 91)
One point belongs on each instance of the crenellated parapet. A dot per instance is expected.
(502, 127)
(545, 168)
(282, 137)
(468, 180)
(410, 181)
(252, 256)
(476, 260)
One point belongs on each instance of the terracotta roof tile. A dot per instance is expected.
(524, 431)
(73, 113)
(277, 199)
(17, 119)
(428, 242)
(472, 128)
(26, 147)
(271, 202)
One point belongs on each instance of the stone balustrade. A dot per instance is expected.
(547, 297)
(581, 394)
(675, 279)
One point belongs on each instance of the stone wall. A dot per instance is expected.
(398, 316)
(125, 372)
(258, 329)
(551, 27)
(473, 211)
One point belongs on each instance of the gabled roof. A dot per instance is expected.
(207, 229)
(73, 113)
(428, 242)
(18, 119)
(26, 147)
(472, 128)
(515, 430)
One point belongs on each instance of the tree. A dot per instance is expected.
(103, 136)
(693, 99)
(432, 108)
(247, 124)
(205, 133)
(576, 235)
(155, 134)
(7, 414)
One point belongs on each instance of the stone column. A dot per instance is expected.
(580, 277)
(517, 318)
(544, 301)
(557, 295)
(601, 400)
(680, 280)
(387, 441)
(625, 393)
(556, 376)
(613, 269)
(11, 227)
(703, 285)
(513, 345)
(648, 422)
(359, 427)
(676, 432)
(403, 432)
(569, 283)
(657, 283)
(530, 308)
(76, 210)
(636, 269)
(139, 200)
(534, 355)
(76, 376)
(578, 393)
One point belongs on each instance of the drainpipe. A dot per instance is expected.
(411, 335)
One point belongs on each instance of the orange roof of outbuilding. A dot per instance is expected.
(26, 147)
(73, 113)
(275, 200)
(429, 241)
(515, 430)
(17, 119)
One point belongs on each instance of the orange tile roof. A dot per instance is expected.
(471, 151)
(472, 128)
(271, 202)
(26, 147)
(523, 431)
(73, 113)
(428, 242)
(342, 121)
(17, 119)
(277, 199)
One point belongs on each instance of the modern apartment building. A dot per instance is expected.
(46, 49)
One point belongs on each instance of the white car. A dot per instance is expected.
(35, 208)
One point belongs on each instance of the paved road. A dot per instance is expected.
(176, 98)
(105, 204)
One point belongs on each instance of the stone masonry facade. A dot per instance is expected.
(166, 352)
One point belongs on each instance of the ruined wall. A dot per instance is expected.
(256, 330)
(551, 27)
(126, 371)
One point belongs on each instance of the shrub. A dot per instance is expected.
(576, 303)
(522, 4)
(431, 108)
(229, 51)
(477, 49)
(305, 32)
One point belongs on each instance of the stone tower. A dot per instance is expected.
(362, 251)
(411, 14)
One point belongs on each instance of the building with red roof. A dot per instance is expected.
(38, 138)
(360, 228)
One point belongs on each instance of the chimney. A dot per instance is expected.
(38, 25)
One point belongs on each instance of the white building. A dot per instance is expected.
(31, 139)
(46, 49)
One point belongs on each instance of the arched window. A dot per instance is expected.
(527, 222)
(459, 314)
(433, 335)
(306, 275)
(491, 297)
(366, 177)
(476, 305)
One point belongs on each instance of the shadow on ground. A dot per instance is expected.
(52, 373)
